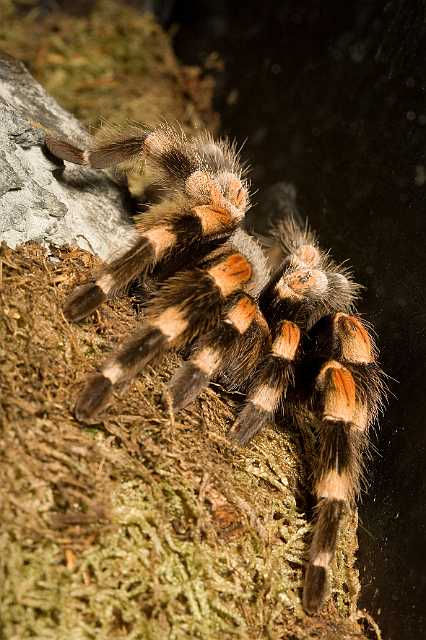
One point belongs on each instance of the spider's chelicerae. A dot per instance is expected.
(290, 338)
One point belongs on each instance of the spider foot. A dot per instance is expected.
(251, 420)
(186, 384)
(93, 398)
(83, 301)
(315, 588)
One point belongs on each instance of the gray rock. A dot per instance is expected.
(40, 198)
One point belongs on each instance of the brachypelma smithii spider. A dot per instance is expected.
(289, 337)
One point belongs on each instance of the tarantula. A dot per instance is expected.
(290, 339)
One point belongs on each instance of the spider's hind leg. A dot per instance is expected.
(348, 391)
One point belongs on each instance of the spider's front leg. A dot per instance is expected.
(187, 305)
(348, 392)
(164, 230)
(130, 146)
(113, 278)
(207, 199)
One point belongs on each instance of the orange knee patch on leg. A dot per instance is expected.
(338, 388)
(231, 273)
(286, 343)
(213, 219)
(242, 314)
(355, 341)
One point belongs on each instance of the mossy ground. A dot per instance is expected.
(144, 524)
(108, 62)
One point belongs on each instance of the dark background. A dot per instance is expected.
(331, 97)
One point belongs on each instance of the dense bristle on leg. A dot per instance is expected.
(112, 278)
(167, 149)
(131, 146)
(83, 301)
(179, 230)
(134, 262)
(322, 551)
(94, 397)
(146, 345)
(202, 293)
(270, 384)
(102, 154)
(186, 384)
(177, 314)
(315, 591)
(337, 474)
(349, 392)
(212, 353)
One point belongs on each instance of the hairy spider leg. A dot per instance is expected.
(307, 285)
(273, 377)
(182, 164)
(175, 154)
(159, 236)
(348, 392)
(207, 200)
(213, 352)
(114, 146)
(188, 305)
